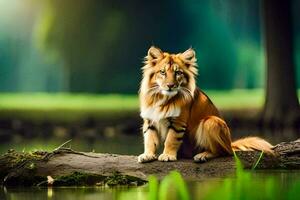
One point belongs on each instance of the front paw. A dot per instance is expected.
(166, 157)
(146, 158)
(203, 157)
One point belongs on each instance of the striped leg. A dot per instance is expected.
(173, 141)
(151, 142)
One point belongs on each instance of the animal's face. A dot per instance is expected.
(169, 74)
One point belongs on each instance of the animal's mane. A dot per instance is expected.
(149, 93)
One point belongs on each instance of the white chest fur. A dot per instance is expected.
(159, 118)
(155, 114)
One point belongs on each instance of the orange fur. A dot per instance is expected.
(252, 143)
(180, 114)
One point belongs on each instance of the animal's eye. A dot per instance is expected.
(162, 72)
(178, 73)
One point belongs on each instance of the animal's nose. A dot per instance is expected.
(171, 85)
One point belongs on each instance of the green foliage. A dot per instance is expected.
(239, 164)
(206, 20)
(258, 160)
(22, 162)
(153, 187)
(250, 65)
(171, 187)
(94, 45)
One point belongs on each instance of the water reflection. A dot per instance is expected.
(251, 185)
(254, 185)
(69, 193)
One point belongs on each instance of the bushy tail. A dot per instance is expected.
(252, 143)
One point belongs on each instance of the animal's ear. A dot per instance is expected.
(189, 56)
(154, 53)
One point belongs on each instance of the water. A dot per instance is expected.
(70, 193)
(260, 185)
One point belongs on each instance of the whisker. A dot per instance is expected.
(152, 89)
(186, 93)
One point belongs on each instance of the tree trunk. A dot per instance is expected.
(69, 167)
(281, 105)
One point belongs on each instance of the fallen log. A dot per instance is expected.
(65, 166)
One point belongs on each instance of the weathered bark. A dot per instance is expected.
(281, 105)
(69, 167)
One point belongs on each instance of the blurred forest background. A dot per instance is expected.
(97, 46)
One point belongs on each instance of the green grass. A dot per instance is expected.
(171, 187)
(69, 107)
(65, 107)
(48, 101)
(237, 99)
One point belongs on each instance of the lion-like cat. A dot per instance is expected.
(175, 111)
